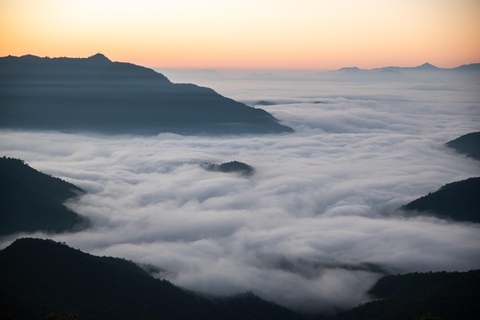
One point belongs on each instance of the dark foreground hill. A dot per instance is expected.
(468, 144)
(446, 295)
(43, 276)
(33, 201)
(457, 201)
(97, 95)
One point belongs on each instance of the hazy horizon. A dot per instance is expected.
(319, 35)
(242, 71)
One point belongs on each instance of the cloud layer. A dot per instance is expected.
(315, 226)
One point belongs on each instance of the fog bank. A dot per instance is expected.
(313, 228)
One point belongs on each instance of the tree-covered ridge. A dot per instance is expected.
(232, 166)
(98, 95)
(468, 144)
(448, 295)
(95, 68)
(33, 201)
(42, 276)
(457, 201)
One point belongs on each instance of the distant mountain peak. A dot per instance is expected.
(470, 67)
(99, 57)
(28, 56)
(427, 66)
(349, 69)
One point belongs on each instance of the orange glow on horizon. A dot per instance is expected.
(286, 34)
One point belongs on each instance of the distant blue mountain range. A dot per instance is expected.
(425, 67)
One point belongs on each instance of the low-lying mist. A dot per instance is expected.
(314, 227)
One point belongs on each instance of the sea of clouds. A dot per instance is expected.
(314, 227)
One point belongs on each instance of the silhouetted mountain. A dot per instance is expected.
(457, 201)
(98, 95)
(43, 276)
(33, 201)
(468, 67)
(233, 166)
(468, 144)
(351, 69)
(430, 67)
(448, 295)
(424, 67)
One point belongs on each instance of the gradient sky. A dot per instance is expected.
(266, 34)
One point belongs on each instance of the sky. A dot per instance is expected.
(266, 34)
(314, 227)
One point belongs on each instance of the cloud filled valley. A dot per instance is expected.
(316, 224)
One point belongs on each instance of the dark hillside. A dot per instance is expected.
(98, 95)
(448, 295)
(42, 276)
(33, 201)
(468, 144)
(459, 201)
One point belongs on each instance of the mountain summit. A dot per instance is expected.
(97, 95)
(99, 57)
(426, 66)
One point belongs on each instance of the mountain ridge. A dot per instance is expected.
(97, 95)
(457, 201)
(430, 67)
(42, 276)
(468, 144)
(33, 201)
(433, 295)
